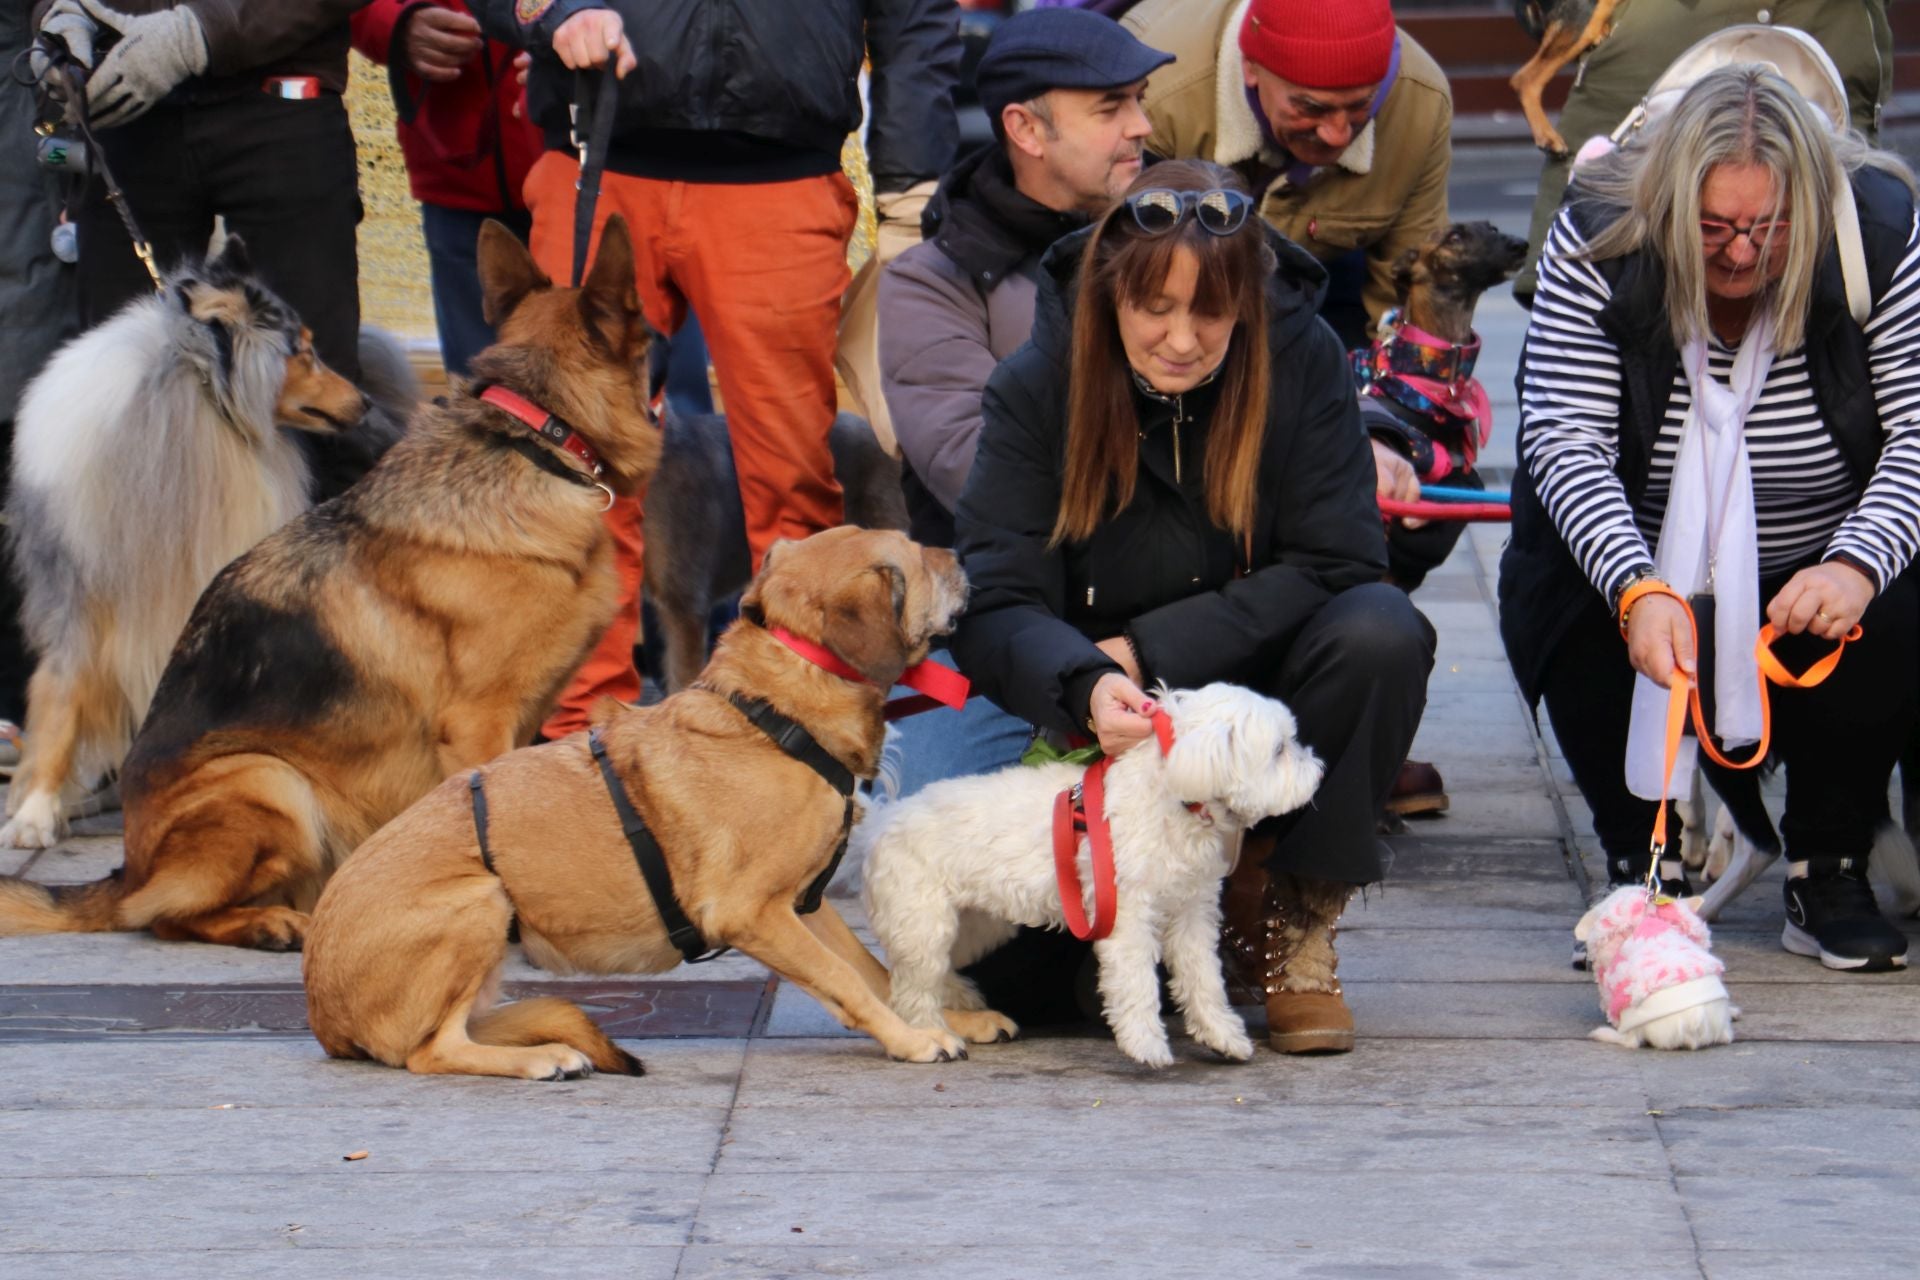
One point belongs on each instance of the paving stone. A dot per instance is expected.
(1184, 1139)
(1757, 1074)
(1787, 1263)
(1082, 1071)
(352, 1205)
(1794, 1139)
(1478, 1220)
(291, 1259)
(1811, 1214)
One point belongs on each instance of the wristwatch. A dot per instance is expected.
(1632, 577)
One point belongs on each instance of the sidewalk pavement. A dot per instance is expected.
(162, 1107)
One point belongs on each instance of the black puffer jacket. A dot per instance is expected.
(783, 70)
(1160, 570)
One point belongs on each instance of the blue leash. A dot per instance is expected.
(1442, 493)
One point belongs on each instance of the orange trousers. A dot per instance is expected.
(764, 266)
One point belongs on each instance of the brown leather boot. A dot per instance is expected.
(1306, 1011)
(1243, 922)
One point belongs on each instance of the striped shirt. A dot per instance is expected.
(1807, 504)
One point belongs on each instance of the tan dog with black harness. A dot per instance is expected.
(712, 819)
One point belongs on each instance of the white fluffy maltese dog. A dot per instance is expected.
(952, 871)
(1659, 983)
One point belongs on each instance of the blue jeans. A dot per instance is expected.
(453, 236)
(941, 744)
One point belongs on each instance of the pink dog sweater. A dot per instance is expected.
(1640, 949)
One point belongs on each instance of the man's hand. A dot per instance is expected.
(68, 23)
(1824, 599)
(1659, 639)
(1120, 713)
(440, 42)
(1394, 477)
(154, 52)
(591, 38)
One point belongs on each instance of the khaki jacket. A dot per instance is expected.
(1389, 189)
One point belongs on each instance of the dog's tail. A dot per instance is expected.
(1895, 869)
(28, 908)
(549, 1020)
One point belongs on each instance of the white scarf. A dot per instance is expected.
(1710, 516)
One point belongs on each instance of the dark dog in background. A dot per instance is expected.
(1417, 389)
(1565, 29)
(696, 529)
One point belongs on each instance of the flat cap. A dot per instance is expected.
(1044, 49)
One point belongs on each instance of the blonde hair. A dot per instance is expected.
(1739, 115)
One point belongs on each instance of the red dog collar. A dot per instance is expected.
(939, 686)
(545, 425)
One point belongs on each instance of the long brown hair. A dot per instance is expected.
(1123, 266)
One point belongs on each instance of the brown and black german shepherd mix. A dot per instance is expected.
(415, 626)
(403, 963)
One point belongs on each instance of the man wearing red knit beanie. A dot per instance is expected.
(1336, 118)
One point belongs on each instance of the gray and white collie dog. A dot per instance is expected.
(147, 454)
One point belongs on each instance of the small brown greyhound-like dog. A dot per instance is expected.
(1565, 29)
(1439, 284)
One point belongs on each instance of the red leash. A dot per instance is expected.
(1083, 807)
(939, 686)
(1470, 512)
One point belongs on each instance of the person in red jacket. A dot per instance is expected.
(468, 143)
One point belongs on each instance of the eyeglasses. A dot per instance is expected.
(1157, 211)
(1715, 234)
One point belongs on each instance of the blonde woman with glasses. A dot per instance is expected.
(1700, 414)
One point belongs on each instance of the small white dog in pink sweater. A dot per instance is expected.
(1659, 985)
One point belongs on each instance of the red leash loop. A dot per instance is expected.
(1084, 808)
(1469, 512)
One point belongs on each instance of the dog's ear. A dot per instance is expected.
(233, 257)
(1405, 274)
(754, 602)
(1200, 763)
(609, 297)
(507, 272)
(1583, 932)
(861, 623)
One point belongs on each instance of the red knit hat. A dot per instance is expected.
(1320, 44)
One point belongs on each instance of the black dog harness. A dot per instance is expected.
(788, 735)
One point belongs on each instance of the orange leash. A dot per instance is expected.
(1684, 693)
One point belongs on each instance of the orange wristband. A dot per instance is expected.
(1644, 587)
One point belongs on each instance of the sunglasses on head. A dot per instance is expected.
(1157, 211)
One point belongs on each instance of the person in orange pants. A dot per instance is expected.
(725, 164)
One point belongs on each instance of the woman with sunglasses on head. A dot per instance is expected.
(1702, 418)
(1172, 486)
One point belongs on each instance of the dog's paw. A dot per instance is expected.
(1607, 1035)
(981, 1026)
(1233, 1044)
(35, 826)
(558, 1062)
(926, 1045)
(1148, 1051)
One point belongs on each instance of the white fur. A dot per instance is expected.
(1666, 970)
(952, 871)
(147, 487)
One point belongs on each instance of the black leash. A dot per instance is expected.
(61, 62)
(596, 98)
(478, 794)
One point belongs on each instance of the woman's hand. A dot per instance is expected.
(1394, 477)
(1659, 638)
(592, 36)
(1121, 652)
(1825, 599)
(1121, 714)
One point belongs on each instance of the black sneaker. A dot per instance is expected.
(1831, 914)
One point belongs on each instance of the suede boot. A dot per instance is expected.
(1243, 922)
(1306, 1011)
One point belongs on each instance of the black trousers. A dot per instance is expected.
(282, 173)
(1838, 741)
(1356, 681)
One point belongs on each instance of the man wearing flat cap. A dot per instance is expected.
(1063, 89)
(1336, 118)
